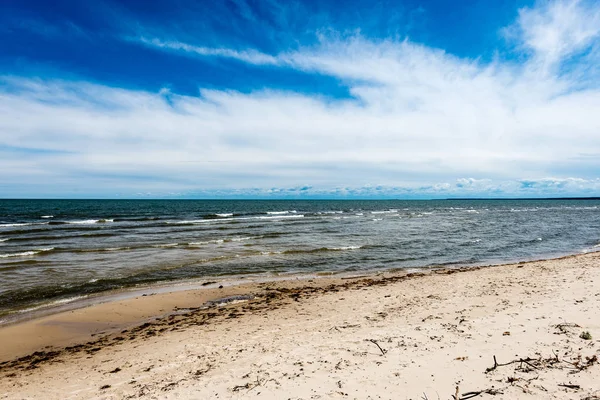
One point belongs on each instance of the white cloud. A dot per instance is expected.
(557, 30)
(420, 119)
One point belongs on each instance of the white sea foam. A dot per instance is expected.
(23, 254)
(54, 303)
(191, 221)
(346, 248)
(117, 248)
(225, 215)
(281, 212)
(270, 217)
(90, 221)
(240, 239)
(166, 245)
(22, 224)
(279, 217)
(83, 222)
(26, 253)
(47, 216)
(215, 241)
(4, 240)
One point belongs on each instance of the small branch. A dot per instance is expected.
(470, 395)
(520, 360)
(570, 386)
(377, 344)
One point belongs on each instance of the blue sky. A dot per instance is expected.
(307, 99)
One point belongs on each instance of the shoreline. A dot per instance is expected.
(43, 309)
(75, 322)
(390, 308)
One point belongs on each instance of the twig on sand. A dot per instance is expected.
(563, 328)
(520, 360)
(470, 395)
(377, 344)
(569, 385)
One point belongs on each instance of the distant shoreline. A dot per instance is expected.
(299, 199)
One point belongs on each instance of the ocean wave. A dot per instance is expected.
(276, 217)
(136, 219)
(81, 222)
(220, 241)
(223, 215)
(26, 253)
(52, 303)
(391, 211)
(22, 224)
(234, 219)
(47, 216)
(215, 241)
(281, 212)
(188, 222)
(312, 251)
(89, 221)
(4, 240)
(165, 245)
(99, 250)
(240, 239)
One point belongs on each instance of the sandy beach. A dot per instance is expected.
(517, 331)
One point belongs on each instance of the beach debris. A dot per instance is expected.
(507, 333)
(114, 371)
(585, 335)
(229, 299)
(578, 363)
(104, 387)
(522, 361)
(377, 344)
(570, 386)
(469, 395)
(563, 329)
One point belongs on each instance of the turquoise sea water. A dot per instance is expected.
(51, 250)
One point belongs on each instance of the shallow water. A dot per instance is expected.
(54, 250)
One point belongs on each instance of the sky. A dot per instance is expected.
(299, 99)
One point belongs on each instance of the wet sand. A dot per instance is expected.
(512, 331)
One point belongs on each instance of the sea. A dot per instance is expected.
(56, 251)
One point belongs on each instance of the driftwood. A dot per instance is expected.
(527, 361)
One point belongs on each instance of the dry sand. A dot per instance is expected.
(388, 336)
